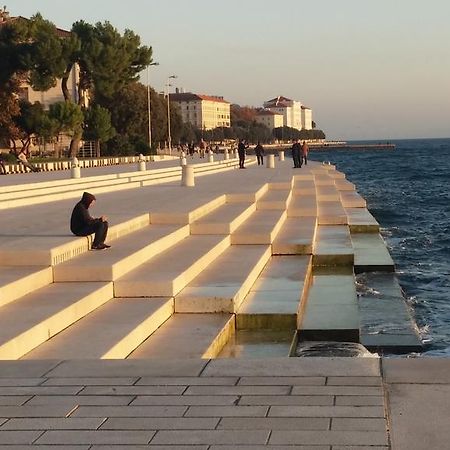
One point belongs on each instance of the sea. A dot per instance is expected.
(408, 192)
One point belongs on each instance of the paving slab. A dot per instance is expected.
(296, 237)
(303, 206)
(351, 199)
(361, 221)
(416, 371)
(371, 253)
(277, 199)
(333, 246)
(66, 423)
(327, 193)
(155, 423)
(273, 423)
(185, 400)
(16, 371)
(303, 187)
(331, 213)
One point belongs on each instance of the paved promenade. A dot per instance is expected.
(169, 388)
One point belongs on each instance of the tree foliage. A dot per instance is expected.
(97, 126)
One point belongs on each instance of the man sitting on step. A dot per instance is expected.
(82, 224)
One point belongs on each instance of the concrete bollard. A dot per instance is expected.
(211, 157)
(281, 155)
(226, 155)
(75, 171)
(270, 162)
(183, 161)
(141, 163)
(187, 176)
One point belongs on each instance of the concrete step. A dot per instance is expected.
(327, 193)
(188, 336)
(224, 284)
(331, 213)
(344, 185)
(260, 228)
(112, 331)
(330, 312)
(247, 194)
(338, 176)
(166, 274)
(333, 246)
(274, 299)
(223, 220)
(125, 255)
(16, 282)
(303, 206)
(361, 221)
(371, 253)
(351, 199)
(304, 187)
(34, 318)
(321, 178)
(296, 237)
(386, 319)
(275, 199)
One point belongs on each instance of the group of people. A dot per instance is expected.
(299, 153)
(202, 148)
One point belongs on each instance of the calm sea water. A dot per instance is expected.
(408, 192)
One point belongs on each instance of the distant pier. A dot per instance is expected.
(346, 146)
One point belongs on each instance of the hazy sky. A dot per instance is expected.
(368, 69)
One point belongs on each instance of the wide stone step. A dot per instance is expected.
(361, 221)
(351, 199)
(34, 318)
(224, 220)
(327, 193)
(331, 310)
(166, 274)
(112, 331)
(260, 228)
(371, 253)
(224, 284)
(188, 336)
(16, 282)
(304, 187)
(303, 206)
(126, 254)
(296, 237)
(275, 199)
(274, 299)
(333, 246)
(331, 213)
(344, 185)
(321, 178)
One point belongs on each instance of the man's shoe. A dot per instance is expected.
(100, 247)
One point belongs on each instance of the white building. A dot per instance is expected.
(292, 112)
(306, 118)
(269, 118)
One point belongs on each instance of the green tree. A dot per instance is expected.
(97, 126)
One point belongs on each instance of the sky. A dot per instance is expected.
(368, 69)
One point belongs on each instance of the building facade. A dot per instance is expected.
(205, 112)
(295, 115)
(269, 118)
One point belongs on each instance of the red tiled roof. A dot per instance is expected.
(279, 99)
(190, 97)
(267, 112)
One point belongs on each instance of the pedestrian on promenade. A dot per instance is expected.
(296, 151)
(2, 164)
(305, 151)
(202, 147)
(82, 224)
(192, 149)
(23, 159)
(242, 146)
(259, 152)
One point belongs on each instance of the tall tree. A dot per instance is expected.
(97, 126)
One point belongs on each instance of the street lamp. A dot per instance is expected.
(148, 104)
(169, 137)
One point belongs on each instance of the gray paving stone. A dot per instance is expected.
(187, 381)
(282, 381)
(358, 447)
(25, 369)
(93, 381)
(34, 411)
(132, 390)
(337, 390)
(40, 390)
(211, 437)
(146, 447)
(357, 400)
(68, 423)
(74, 400)
(11, 400)
(129, 368)
(227, 411)
(293, 367)
(129, 411)
(96, 437)
(148, 423)
(417, 370)
(21, 381)
(328, 437)
(206, 400)
(353, 381)
(238, 390)
(326, 411)
(301, 400)
(344, 424)
(19, 437)
(269, 447)
(273, 423)
(46, 447)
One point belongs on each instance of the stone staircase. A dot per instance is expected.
(182, 282)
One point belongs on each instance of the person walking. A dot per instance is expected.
(23, 159)
(259, 152)
(82, 224)
(2, 164)
(305, 151)
(296, 151)
(202, 147)
(242, 146)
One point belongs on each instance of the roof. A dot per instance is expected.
(267, 112)
(190, 97)
(305, 107)
(277, 100)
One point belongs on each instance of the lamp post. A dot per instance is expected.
(148, 104)
(169, 137)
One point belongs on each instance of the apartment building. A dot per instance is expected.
(203, 111)
(269, 118)
(295, 115)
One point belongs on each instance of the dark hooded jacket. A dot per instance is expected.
(80, 215)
